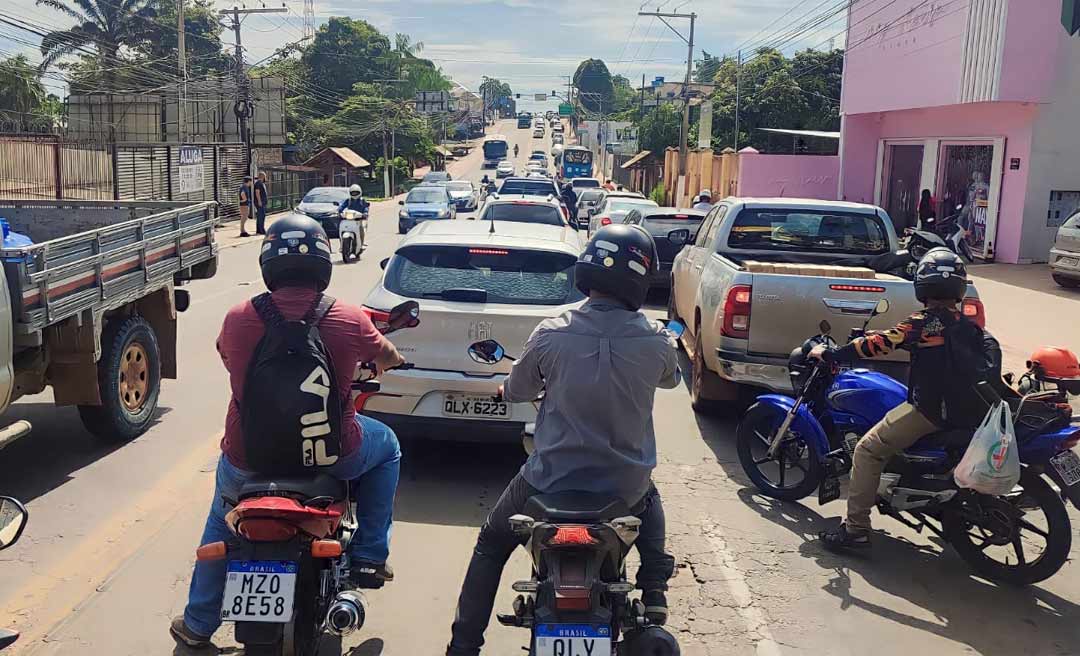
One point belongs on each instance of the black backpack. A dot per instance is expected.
(972, 356)
(292, 409)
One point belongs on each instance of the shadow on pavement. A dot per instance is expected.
(369, 647)
(453, 483)
(1032, 277)
(57, 447)
(966, 609)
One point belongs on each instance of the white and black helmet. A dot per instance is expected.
(295, 251)
(356, 191)
(618, 261)
(941, 275)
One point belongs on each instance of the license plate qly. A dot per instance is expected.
(572, 640)
(259, 591)
(1067, 463)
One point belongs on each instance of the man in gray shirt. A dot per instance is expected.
(600, 366)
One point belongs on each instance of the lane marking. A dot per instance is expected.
(49, 598)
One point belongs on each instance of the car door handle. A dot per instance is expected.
(846, 306)
(699, 267)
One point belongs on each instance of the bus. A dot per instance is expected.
(524, 120)
(495, 150)
(576, 162)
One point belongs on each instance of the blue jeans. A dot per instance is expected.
(373, 471)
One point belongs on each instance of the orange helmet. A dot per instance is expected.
(1055, 362)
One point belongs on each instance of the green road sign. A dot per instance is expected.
(565, 109)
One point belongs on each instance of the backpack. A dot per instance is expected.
(292, 410)
(972, 356)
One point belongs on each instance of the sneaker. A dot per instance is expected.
(370, 576)
(244, 234)
(655, 606)
(842, 539)
(183, 634)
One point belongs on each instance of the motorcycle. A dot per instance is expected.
(577, 600)
(13, 518)
(287, 586)
(790, 447)
(947, 233)
(351, 231)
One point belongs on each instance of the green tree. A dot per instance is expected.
(595, 87)
(107, 26)
(660, 129)
(346, 51)
(705, 69)
(202, 40)
(625, 98)
(23, 101)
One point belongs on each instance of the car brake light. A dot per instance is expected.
(605, 221)
(570, 535)
(488, 251)
(973, 309)
(857, 288)
(737, 312)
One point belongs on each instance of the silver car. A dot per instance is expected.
(471, 285)
(614, 206)
(1065, 255)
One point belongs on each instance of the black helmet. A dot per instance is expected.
(941, 274)
(295, 250)
(618, 261)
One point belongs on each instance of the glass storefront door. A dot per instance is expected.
(964, 178)
(903, 170)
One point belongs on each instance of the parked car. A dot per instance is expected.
(425, 203)
(464, 194)
(1065, 255)
(671, 229)
(471, 284)
(437, 176)
(763, 273)
(321, 204)
(583, 183)
(504, 169)
(587, 199)
(613, 207)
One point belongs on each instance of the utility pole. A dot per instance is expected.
(738, 84)
(181, 90)
(685, 131)
(244, 108)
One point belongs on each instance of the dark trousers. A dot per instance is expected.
(260, 219)
(496, 543)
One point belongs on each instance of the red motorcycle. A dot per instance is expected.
(287, 587)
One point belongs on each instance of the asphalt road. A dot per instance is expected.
(106, 559)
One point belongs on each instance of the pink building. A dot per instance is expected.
(974, 100)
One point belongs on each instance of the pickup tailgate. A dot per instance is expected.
(787, 309)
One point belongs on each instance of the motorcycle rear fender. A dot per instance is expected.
(804, 424)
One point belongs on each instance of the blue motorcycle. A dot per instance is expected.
(790, 447)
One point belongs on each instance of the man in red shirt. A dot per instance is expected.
(296, 267)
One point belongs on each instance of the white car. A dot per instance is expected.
(504, 169)
(472, 284)
(584, 183)
(528, 209)
(614, 206)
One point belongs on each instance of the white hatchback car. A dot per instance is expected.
(472, 284)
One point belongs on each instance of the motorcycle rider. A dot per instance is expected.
(569, 197)
(356, 202)
(296, 270)
(940, 284)
(600, 366)
(704, 201)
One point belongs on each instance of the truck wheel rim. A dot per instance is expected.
(134, 377)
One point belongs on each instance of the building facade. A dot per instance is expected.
(971, 100)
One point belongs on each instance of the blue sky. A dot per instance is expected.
(532, 44)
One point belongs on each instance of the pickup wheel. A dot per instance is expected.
(129, 380)
(1064, 281)
(700, 380)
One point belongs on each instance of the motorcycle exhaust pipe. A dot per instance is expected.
(347, 613)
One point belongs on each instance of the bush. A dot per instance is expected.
(657, 195)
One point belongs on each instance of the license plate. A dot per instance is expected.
(828, 490)
(572, 640)
(259, 591)
(468, 405)
(1067, 463)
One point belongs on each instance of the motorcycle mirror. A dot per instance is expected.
(676, 328)
(13, 516)
(383, 262)
(825, 327)
(405, 315)
(882, 306)
(679, 237)
(401, 202)
(487, 351)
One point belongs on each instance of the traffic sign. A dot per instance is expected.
(565, 109)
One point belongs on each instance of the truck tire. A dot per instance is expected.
(129, 378)
(700, 380)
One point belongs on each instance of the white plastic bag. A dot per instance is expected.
(991, 464)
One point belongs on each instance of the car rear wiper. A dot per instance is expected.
(463, 294)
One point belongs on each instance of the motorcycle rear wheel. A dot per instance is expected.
(1006, 525)
(755, 431)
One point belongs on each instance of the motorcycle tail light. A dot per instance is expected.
(973, 309)
(605, 221)
(737, 312)
(565, 601)
(267, 530)
(571, 535)
(325, 549)
(212, 551)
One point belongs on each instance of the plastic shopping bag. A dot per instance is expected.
(991, 464)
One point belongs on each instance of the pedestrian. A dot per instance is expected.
(927, 214)
(609, 185)
(704, 201)
(245, 205)
(260, 204)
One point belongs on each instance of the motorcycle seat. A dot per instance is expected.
(956, 439)
(302, 487)
(575, 507)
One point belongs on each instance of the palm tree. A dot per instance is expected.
(21, 92)
(105, 25)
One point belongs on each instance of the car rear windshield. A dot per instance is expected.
(620, 205)
(527, 188)
(509, 276)
(523, 213)
(586, 182)
(326, 196)
(809, 231)
(426, 196)
(590, 195)
(661, 224)
(460, 186)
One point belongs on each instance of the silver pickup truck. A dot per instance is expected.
(760, 276)
(89, 309)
